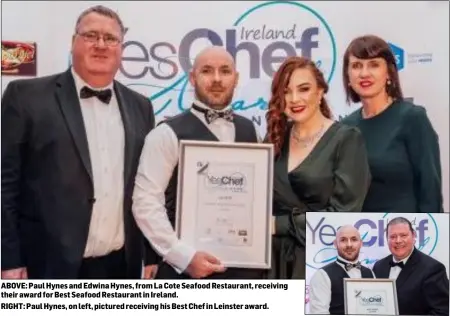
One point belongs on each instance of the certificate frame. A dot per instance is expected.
(201, 161)
(358, 291)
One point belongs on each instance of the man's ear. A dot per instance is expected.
(192, 78)
(236, 80)
(73, 42)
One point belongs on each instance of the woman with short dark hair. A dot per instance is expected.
(402, 145)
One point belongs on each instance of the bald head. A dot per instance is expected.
(347, 230)
(213, 53)
(348, 243)
(214, 77)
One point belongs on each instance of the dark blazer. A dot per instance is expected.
(47, 186)
(422, 285)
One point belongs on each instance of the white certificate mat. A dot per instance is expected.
(370, 297)
(224, 201)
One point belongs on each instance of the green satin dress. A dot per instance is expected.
(334, 177)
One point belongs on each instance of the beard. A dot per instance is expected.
(347, 257)
(214, 103)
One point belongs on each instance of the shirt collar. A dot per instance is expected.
(405, 259)
(204, 106)
(346, 261)
(80, 83)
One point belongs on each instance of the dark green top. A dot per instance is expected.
(334, 177)
(404, 159)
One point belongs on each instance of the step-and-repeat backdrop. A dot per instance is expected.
(163, 37)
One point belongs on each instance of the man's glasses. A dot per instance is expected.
(94, 37)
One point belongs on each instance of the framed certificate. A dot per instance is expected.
(370, 297)
(224, 201)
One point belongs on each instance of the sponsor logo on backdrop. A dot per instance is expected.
(402, 57)
(373, 233)
(399, 54)
(258, 42)
(420, 58)
(19, 58)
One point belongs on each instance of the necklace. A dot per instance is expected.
(307, 141)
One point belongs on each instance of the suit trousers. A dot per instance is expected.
(110, 266)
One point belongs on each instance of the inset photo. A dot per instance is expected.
(377, 263)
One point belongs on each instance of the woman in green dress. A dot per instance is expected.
(402, 146)
(320, 164)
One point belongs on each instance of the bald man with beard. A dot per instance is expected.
(326, 289)
(210, 118)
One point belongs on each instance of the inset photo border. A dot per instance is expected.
(431, 234)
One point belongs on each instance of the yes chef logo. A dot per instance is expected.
(221, 178)
(375, 300)
(258, 41)
(235, 180)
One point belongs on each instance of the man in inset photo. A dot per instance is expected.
(326, 289)
(421, 281)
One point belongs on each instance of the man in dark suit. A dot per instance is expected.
(70, 148)
(422, 282)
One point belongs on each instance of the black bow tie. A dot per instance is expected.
(349, 266)
(400, 264)
(102, 95)
(212, 115)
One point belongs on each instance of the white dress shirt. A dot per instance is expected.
(320, 288)
(395, 271)
(105, 135)
(158, 160)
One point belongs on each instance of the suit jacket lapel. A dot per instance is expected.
(123, 103)
(385, 268)
(407, 269)
(69, 103)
